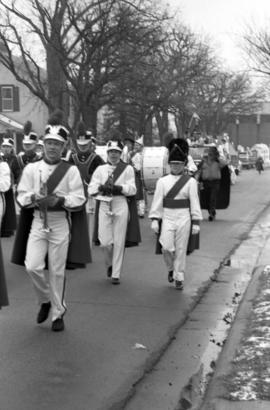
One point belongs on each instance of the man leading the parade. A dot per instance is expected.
(53, 189)
(176, 212)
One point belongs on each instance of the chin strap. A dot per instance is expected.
(51, 162)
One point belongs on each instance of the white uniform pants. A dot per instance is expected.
(49, 285)
(174, 240)
(112, 232)
(90, 211)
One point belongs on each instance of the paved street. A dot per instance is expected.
(94, 364)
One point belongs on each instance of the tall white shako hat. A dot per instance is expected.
(29, 136)
(7, 142)
(115, 144)
(54, 130)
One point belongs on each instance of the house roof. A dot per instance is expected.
(10, 123)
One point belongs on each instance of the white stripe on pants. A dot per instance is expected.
(49, 285)
(174, 240)
(112, 233)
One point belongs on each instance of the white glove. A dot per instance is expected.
(195, 229)
(155, 226)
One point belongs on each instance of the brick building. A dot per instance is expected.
(248, 130)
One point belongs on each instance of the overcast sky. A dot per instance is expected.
(224, 21)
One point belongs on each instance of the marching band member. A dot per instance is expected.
(136, 162)
(87, 161)
(176, 208)
(113, 185)
(53, 190)
(5, 183)
(28, 154)
(9, 221)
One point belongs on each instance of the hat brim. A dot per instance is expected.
(28, 142)
(83, 142)
(54, 138)
(114, 149)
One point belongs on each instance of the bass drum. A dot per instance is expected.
(101, 150)
(154, 165)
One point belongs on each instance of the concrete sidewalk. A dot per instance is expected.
(237, 338)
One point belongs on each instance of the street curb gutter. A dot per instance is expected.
(216, 390)
(179, 380)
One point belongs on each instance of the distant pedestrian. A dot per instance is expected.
(259, 164)
(210, 177)
(176, 213)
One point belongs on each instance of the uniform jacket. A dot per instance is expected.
(69, 185)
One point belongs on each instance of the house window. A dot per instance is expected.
(7, 98)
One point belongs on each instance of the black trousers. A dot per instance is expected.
(211, 188)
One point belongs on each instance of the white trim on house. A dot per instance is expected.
(7, 121)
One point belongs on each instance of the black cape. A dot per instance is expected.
(223, 199)
(3, 286)
(9, 222)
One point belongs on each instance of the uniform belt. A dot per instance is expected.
(55, 209)
(176, 203)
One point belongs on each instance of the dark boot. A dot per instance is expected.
(43, 312)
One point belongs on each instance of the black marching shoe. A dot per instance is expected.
(58, 325)
(43, 312)
(170, 276)
(179, 285)
(115, 281)
(109, 272)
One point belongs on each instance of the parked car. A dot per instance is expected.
(246, 160)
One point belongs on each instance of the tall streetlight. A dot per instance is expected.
(258, 122)
(237, 122)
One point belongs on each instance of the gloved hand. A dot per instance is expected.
(117, 190)
(105, 189)
(155, 226)
(49, 201)
(195, 229)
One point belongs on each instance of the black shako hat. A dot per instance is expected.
(178, 150)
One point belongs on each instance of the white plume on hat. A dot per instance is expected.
(140, 140)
